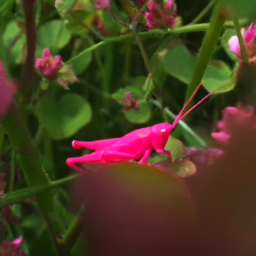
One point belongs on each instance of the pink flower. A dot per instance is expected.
(233, 116)
(250, 42)
(12, 248)
(48, 65)
(159, 17)
(130, 102)
(7, 89)
(101, 4)
(53, 68)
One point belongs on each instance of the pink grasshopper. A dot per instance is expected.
(135, 145)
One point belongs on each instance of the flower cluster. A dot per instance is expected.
(232, 116)
(250, 43)
(53, 68)
(48, 65)
(12, 248)
(158, 17)
(130, 102)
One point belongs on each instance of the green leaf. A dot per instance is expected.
(224, 42)
(52, 35)
(64, 6)
(175, 146)
(245, 8)
(81, 62)
(64, 118)
(180, 63)
(140, 116)
(182, 167)
(14, 42)
(5, 6)
(218, 75)
(136, 89)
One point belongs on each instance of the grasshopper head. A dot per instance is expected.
(160, 134)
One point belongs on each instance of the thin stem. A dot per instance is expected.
(94, 31)
(11, 187)
(141, 46)
(27, 77)
(208, 7)
(154, 33)
(155, 89)
(26, 193)
(210, 40)
(184, 126)
(73, 232)
(240, 39)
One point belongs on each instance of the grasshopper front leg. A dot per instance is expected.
(165, 152)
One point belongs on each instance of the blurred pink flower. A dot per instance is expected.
(233, 116)
(250, 42)
(158, 17)
(12, 248)
(48, 65)
(101, 4)
(130, 102)
(7, 89)
(140, 3)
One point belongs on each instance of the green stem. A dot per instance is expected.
(203, 12)
(153, 33)
(155, 89)
(184, 126)
(26, 193)
(72, 234)
(210, 40)
(2, 134)
(11, 187)
(240, 39)
(30, 163)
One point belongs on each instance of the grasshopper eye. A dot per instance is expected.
(162, 131)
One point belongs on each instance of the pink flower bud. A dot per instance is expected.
(250, 43)
(101, 4)
(7, 90)
(159, 17)
(48, 65)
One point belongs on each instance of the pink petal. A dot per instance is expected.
(234, 46)
(17, 243)
(169, 5)
(249, 35)
(38, 63)
(152, 6)
(47, 54)
(57, 63)
(221, 137)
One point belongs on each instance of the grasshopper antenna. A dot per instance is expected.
(181, 115)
